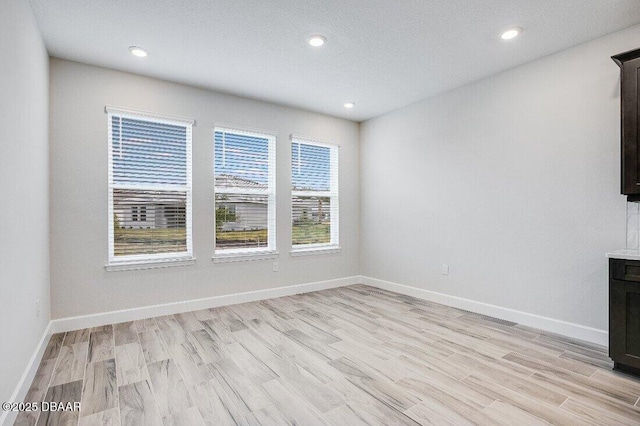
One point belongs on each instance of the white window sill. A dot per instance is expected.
(149, 264)
(240, 257)
(315, 250)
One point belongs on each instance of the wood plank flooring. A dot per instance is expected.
(348, 356)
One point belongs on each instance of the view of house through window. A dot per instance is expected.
(244, 191)
(149, 187)
(314, 203)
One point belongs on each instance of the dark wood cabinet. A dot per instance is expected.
(629, 63)
(624, 314)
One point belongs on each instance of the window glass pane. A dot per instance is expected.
(311, 220)
(147, 152)
(241, 161)
(244, 165)
(311, 167)
(149, 222)
(241, 221)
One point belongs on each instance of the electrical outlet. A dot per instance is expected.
(275, 266)
(37, 308)
(445, 269)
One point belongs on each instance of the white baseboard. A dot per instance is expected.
(20, 392)
(577, 331)
(114, 317)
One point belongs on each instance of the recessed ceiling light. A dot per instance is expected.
(317, 40)
(138, 51)
(511, 33)
(349, 105)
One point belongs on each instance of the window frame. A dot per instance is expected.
(249, 253)
(333, 246)
(156, 260)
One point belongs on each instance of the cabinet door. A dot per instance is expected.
(624, 322)
(630, 94)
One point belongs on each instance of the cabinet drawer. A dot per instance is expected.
(625, 270)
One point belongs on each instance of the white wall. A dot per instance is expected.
(513, 181)
(80, 284)
(24, 173)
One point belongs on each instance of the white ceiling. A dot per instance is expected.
(380, 54)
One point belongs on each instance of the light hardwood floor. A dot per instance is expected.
(348, 356)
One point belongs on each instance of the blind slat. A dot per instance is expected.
(148, 152)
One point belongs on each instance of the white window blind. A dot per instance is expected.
(245, 209)
(314, 203)
(149, 187)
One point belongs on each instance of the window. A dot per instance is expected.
(149, 188)
(314, 202)
(245, 209)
